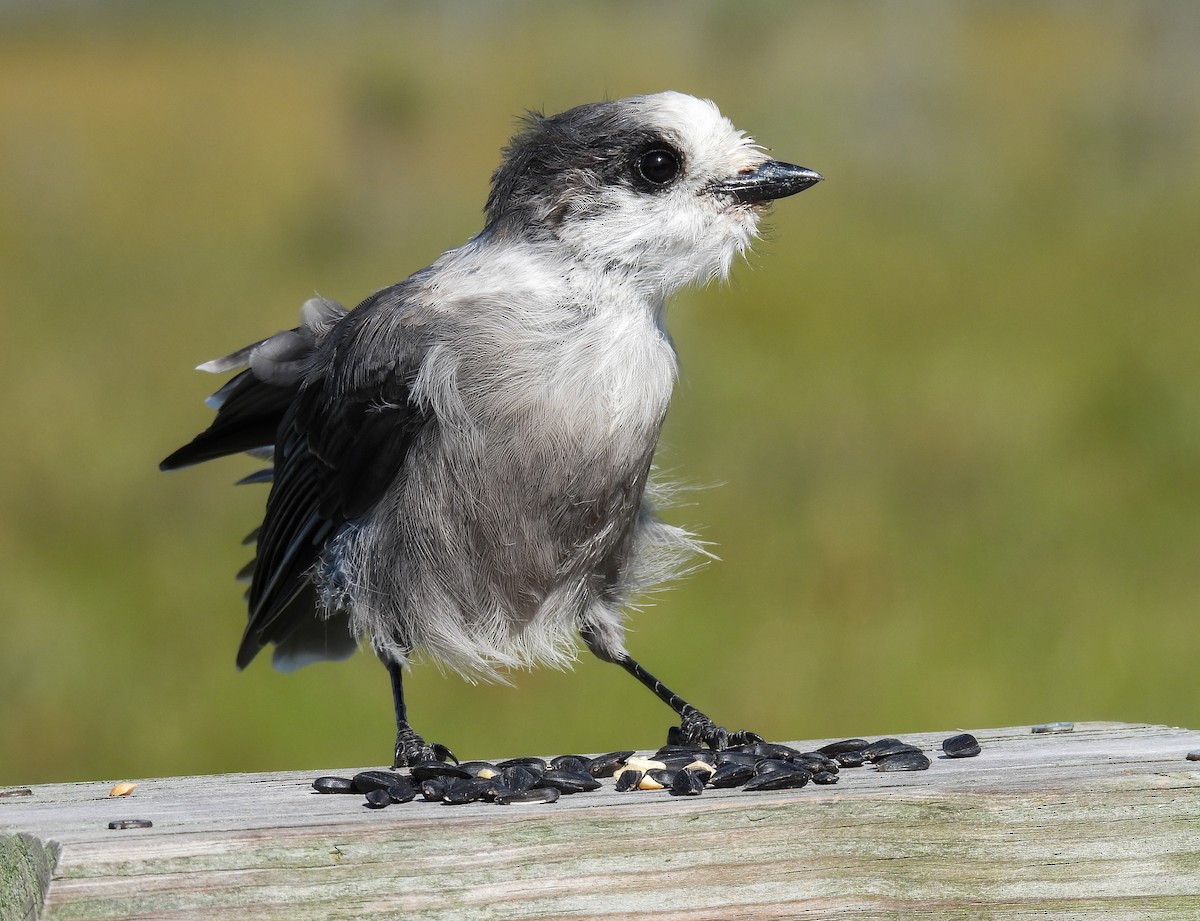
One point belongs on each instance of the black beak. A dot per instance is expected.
(768, 182)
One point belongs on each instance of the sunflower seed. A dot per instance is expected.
(527, 797)
(964, 745)
(123, 824)
(466, 790)
(778, 780)
(629, 780)
(687, 783)
(824, 777)
(484, 769)
(885, 748)
(846, 745)
(334, 785)
(849, 759)
(903, 761)
(535, 764)
(731, 774)
(573, 763)
(518, 777)
(607, 765)
(569, 781)
(366, 781)
(425, 770)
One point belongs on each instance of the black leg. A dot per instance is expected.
(694, 727)
(410, 747)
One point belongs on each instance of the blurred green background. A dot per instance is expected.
(948, 419)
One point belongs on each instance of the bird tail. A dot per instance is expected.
(251, 405)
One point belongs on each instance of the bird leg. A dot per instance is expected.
(695, 728)
(410, 747)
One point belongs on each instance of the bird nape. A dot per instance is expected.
(461, 465)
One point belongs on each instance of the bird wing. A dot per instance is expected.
(331, 403)
(341, 443)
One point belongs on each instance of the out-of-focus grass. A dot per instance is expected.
(953, 406)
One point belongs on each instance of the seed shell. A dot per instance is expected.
(778, 780)
(824, 777)
(569, 781)
(123, 824)
(846, 745)
(963, 745)
(629, 780)
(731, 774)
(903, 761)
(607, 765)
(527, 797)
(687, 783)
(366, 781)
(334, 785)
(425, 770)
(378, 798)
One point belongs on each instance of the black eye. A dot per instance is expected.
(659, 166)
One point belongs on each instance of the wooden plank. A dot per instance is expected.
(1100, 822)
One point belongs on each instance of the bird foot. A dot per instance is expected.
(411, 748)
(697, 729)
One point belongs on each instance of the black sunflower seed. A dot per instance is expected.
(424, 770)
(569, 781)
(607, 765)
(687, 783)
(480, 768)
(778, 780)
(334, 785)
(366, 781)
(815, 761)
(466, 790)
(435, 788)
(885, 748)
(527, 797)
(518, 777)
(731, 774)
(961, 746)
(537, 765)
(768, 765)
(846, 745)
(824, 777)
(629, 780)
(574, 763)
(123, 824)
(774, 751)
(903, 761)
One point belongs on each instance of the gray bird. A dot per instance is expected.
(460, 465)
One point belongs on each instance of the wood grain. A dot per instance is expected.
(1101, 822)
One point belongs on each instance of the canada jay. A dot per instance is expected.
(460, 465)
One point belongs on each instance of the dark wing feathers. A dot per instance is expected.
(248, 418)
(340, 438)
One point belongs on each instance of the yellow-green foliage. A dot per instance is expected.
(952, 410)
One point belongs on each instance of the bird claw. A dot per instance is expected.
(411, 748)
(697, 729)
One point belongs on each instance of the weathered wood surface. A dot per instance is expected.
(1102, 822)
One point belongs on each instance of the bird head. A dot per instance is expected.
(660, 188)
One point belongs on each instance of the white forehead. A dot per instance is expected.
(708, 138)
